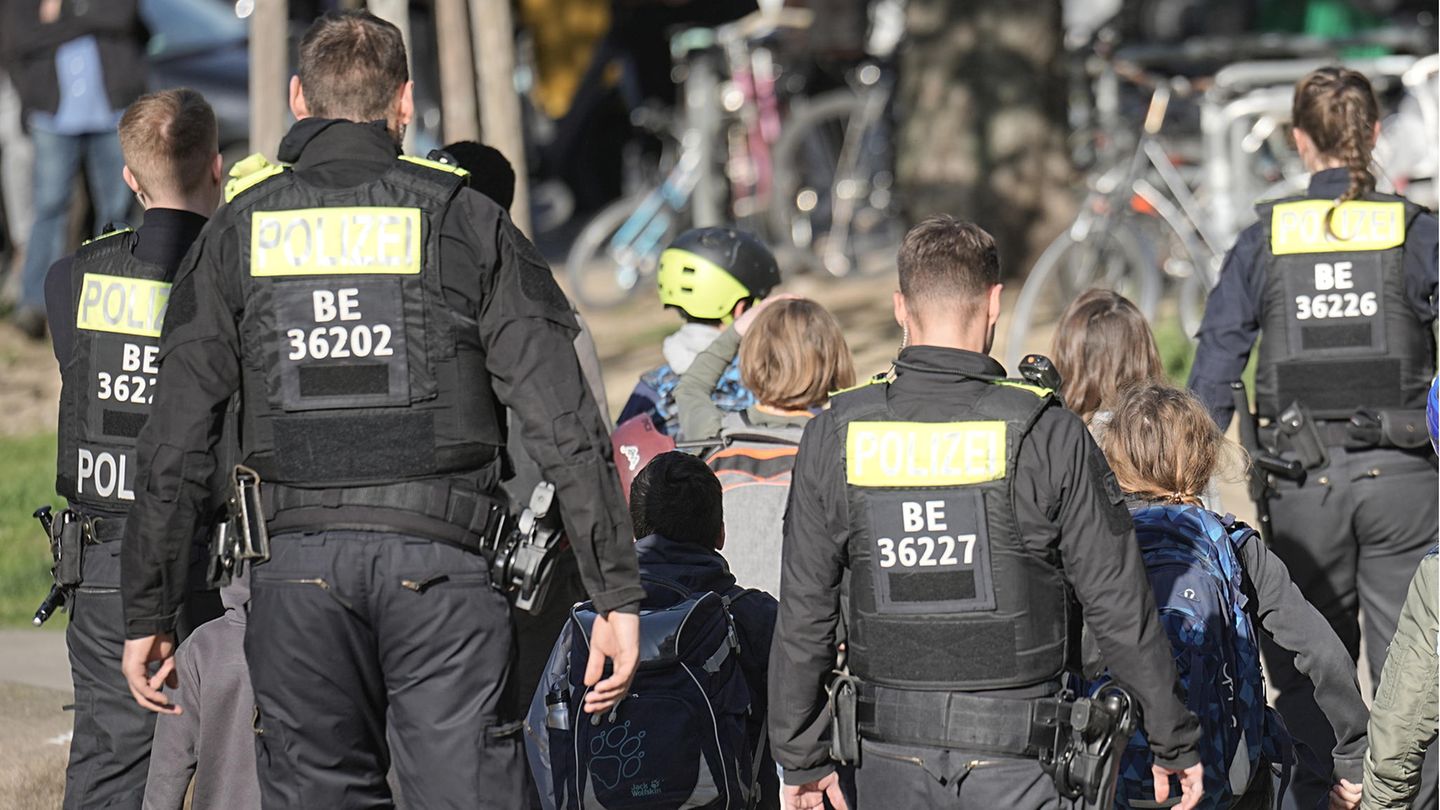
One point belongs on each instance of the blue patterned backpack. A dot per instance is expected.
(1192, 558)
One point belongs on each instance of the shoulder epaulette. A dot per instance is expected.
(1037, 390)
(107, 235)
(435, 164)
(249, 172)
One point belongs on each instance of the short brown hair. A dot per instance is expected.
(1102, 345)
(1163, 444)
(169, 140)
(794, 355)
(945, 260)
(352, 63)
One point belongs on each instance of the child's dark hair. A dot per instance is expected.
(678, 496)
(490, 173)
(1336, 107)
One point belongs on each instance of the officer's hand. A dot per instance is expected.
(139, 654)
(1345, 795)
(616, 636)
(742, 323)
(1192, 785)
(813, 794)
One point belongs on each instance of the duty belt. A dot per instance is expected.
(103, 530)
(961, 721)
(435, 509)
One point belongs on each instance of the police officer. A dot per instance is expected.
(951, 518)
(373, 313)
(1341, 281)
(105, 307)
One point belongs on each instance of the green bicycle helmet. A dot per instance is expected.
(706, 271)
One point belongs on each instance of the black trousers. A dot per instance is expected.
(896, 776)
(354, 633)
(110, 749)
(1352, 537)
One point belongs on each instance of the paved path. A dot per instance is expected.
(36, 658)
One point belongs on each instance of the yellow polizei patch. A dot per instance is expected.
(129, 306)
(1299, 227)
(924, 454)
(335, 241)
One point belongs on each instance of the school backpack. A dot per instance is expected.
(754, 465)
(654, 396)
(1192, 558)
(678, 740)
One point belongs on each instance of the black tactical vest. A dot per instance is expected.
(356, 369)
(943, 593)
(108, 381)
(1338, 334)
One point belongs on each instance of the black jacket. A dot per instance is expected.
(488, 272)
(1232, 312)
(1066, 499)
(699, 570)
(27, 48)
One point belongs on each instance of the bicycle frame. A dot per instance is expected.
(643, 233)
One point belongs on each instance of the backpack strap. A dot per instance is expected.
(668, 584)
(1240, 532)
(758, 761)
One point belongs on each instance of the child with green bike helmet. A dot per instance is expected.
(710, 276)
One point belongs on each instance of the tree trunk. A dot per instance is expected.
(269, 75)
(981, 113)
(458, 113)
(500, 124)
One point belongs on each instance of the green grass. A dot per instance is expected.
(1177, 355)
(27, 480)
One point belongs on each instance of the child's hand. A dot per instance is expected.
(742, 323)
(1345, 795)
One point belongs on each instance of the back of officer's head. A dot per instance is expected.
(352, 67)
(678, 496)
(947, 268)
(171, 145)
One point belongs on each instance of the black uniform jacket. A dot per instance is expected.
(1232, 313)
(488, 271)
(1066, 498)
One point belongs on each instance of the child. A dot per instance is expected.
(1164, 448)
(792, 354)
(711, 276)
(1102, 345)
(642, 754)
(212, 740)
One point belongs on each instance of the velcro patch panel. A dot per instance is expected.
(335, 241)
(924, 454)
(1299, 227)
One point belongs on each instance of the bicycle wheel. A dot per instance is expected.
(840, 214)
(1114, 258)
(606, 267)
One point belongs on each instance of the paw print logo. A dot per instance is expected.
(632, 456)
(616, 755)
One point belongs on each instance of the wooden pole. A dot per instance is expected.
(500, 124)
(269, 75)
(397, 13)
(459, 116)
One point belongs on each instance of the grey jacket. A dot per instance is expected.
(213, 739)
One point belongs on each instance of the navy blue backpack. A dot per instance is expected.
(1192, 558)
(679, 740)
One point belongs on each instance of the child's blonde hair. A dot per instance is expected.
(794, 355)
(1163, 445)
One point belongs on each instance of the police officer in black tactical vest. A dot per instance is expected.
(106, 305)
(956, 526)
(1341, 283)
(373, 313)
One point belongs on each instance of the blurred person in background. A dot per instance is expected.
(76, 65)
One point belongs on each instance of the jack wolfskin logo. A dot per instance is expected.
(616, 755)
(650, 788)
(632, 455)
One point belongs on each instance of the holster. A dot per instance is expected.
(67, 547)
(242, 538)
(844, 719)
(1297, 432)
